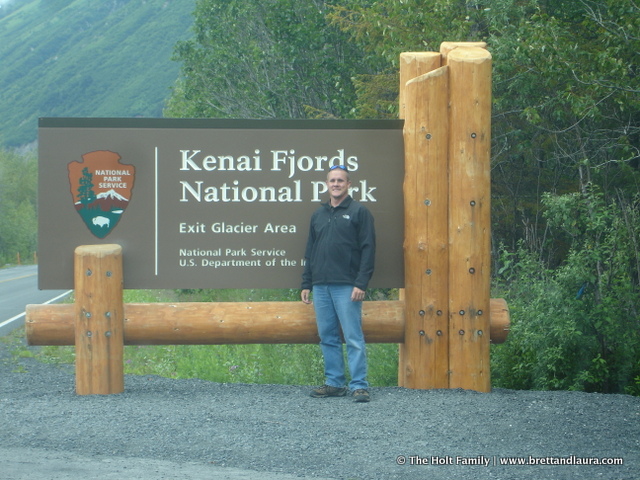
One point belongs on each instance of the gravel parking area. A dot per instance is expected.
(162, 428)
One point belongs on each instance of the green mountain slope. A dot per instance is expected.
(86, 58)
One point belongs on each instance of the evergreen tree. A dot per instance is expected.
(85, 190)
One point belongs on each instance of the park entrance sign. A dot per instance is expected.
(210, 203)
(167, 199)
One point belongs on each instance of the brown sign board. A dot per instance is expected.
(209, 203)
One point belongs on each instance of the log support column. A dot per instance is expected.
(446, 103)
(99, 319)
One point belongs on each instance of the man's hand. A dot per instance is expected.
(357, 295)
(304, 296)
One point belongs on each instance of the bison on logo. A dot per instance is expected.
(101, 189)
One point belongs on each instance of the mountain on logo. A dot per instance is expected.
(106, 201)
(112, 194)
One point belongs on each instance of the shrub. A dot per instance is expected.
(576, 327)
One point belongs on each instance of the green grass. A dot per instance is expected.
(269, 364)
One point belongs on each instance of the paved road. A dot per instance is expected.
(37, 464)
(19, 288)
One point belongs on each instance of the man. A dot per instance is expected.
(339, 263)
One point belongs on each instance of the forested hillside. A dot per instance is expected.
(86, 58)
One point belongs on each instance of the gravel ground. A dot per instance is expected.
(191, 429)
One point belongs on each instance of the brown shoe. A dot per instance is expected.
(361, 395)
(329, 391)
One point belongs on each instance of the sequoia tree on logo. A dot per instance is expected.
(101, 189)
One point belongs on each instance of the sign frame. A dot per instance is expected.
(201, 180)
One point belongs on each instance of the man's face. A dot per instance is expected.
(338, 185)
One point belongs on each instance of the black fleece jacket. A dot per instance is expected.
(341, 246)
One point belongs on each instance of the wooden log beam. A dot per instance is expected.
(195, 323)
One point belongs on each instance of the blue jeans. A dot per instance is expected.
(335, 311)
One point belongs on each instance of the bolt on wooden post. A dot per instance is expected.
(99, 319)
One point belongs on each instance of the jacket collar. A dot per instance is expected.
(343, 204)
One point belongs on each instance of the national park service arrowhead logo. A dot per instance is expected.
(101, 189)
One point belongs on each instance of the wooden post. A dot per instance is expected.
(424, 362)
(99, 317)
(447, 225)
(469, 217)
(446, 47)
(412, 65)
